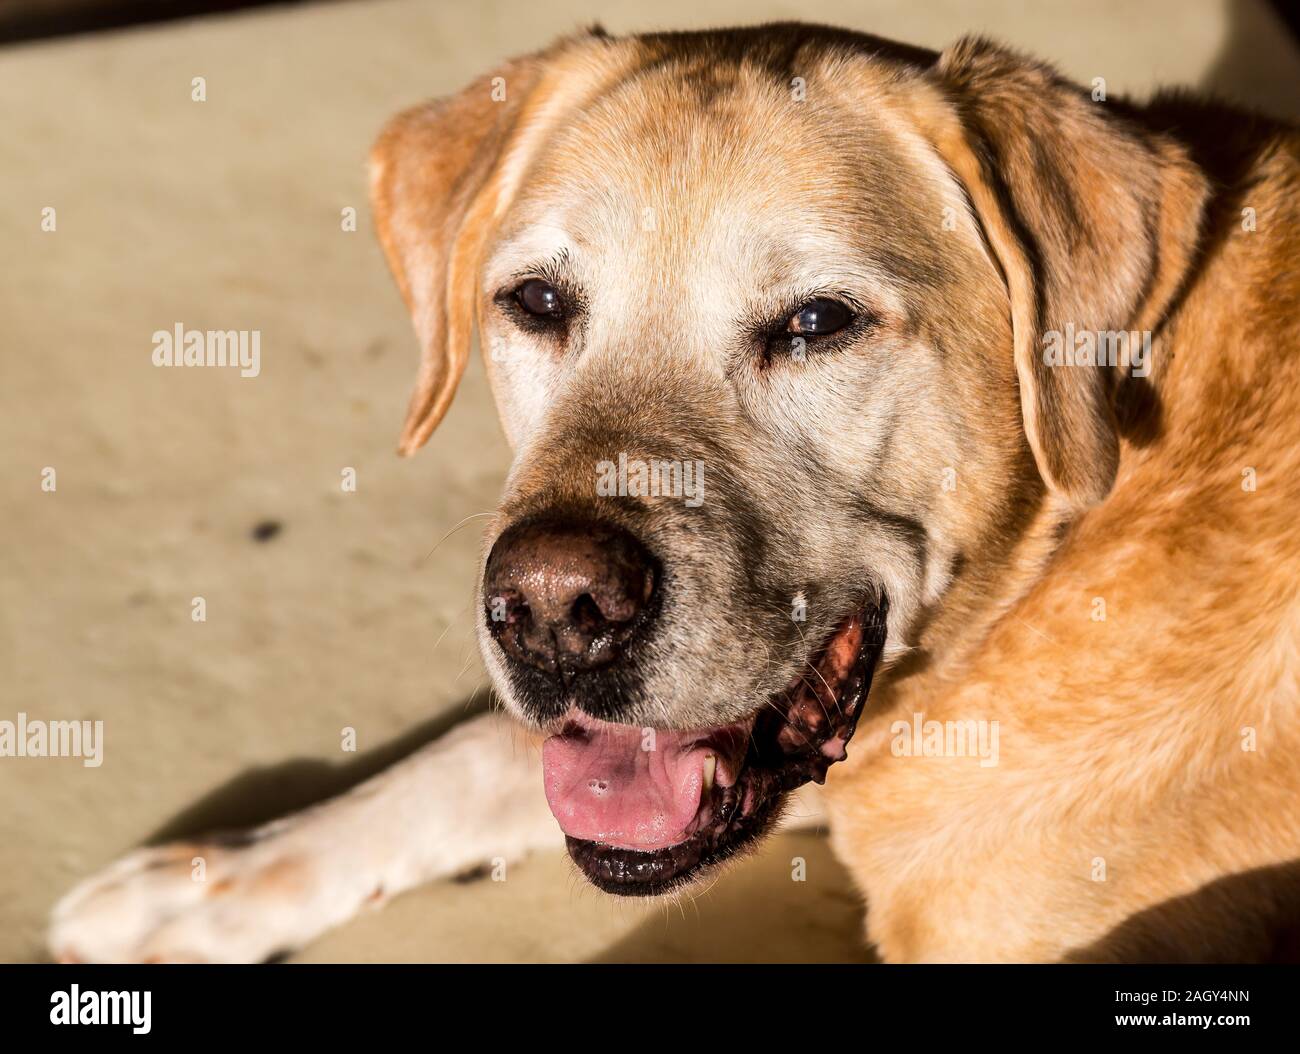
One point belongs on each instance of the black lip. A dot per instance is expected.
(747, 810)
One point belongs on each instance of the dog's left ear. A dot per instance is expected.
(1094, 222)
(440, 176)
(432, 191)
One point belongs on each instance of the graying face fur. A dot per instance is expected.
(806, 475)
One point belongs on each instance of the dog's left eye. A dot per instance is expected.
(540, 299)
(819, 318)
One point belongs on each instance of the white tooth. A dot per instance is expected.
(710, 766)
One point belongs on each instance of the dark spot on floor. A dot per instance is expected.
(266, 530)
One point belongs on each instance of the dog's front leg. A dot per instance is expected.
(471, 798)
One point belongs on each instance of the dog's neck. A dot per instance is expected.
(981, 595)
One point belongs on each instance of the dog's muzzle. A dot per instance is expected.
(645, 809)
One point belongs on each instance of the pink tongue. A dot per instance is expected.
(604, 785)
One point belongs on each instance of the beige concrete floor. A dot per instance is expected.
(225, 214)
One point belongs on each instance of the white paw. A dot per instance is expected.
(206, 901)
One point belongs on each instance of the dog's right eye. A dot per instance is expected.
(540, 299)
(819, 318)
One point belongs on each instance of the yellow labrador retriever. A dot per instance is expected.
(914, 424)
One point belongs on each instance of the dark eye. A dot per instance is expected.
(540, 298)
(818, 318)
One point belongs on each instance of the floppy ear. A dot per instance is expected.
(1094, 222)
(435, 189)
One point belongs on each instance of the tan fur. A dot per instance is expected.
(439, 177)
(1124, 819)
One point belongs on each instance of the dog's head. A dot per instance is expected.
(765, 314)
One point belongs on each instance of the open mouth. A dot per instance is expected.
(645, 810)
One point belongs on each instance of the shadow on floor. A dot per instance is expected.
(1257, 66)
(1253, 916)
(751, 913)
(263, 794)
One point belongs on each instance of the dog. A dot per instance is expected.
(917, 425)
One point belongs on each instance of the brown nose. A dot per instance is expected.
(565, 597)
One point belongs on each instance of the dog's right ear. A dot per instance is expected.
(1095, 224)
(440, 174)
